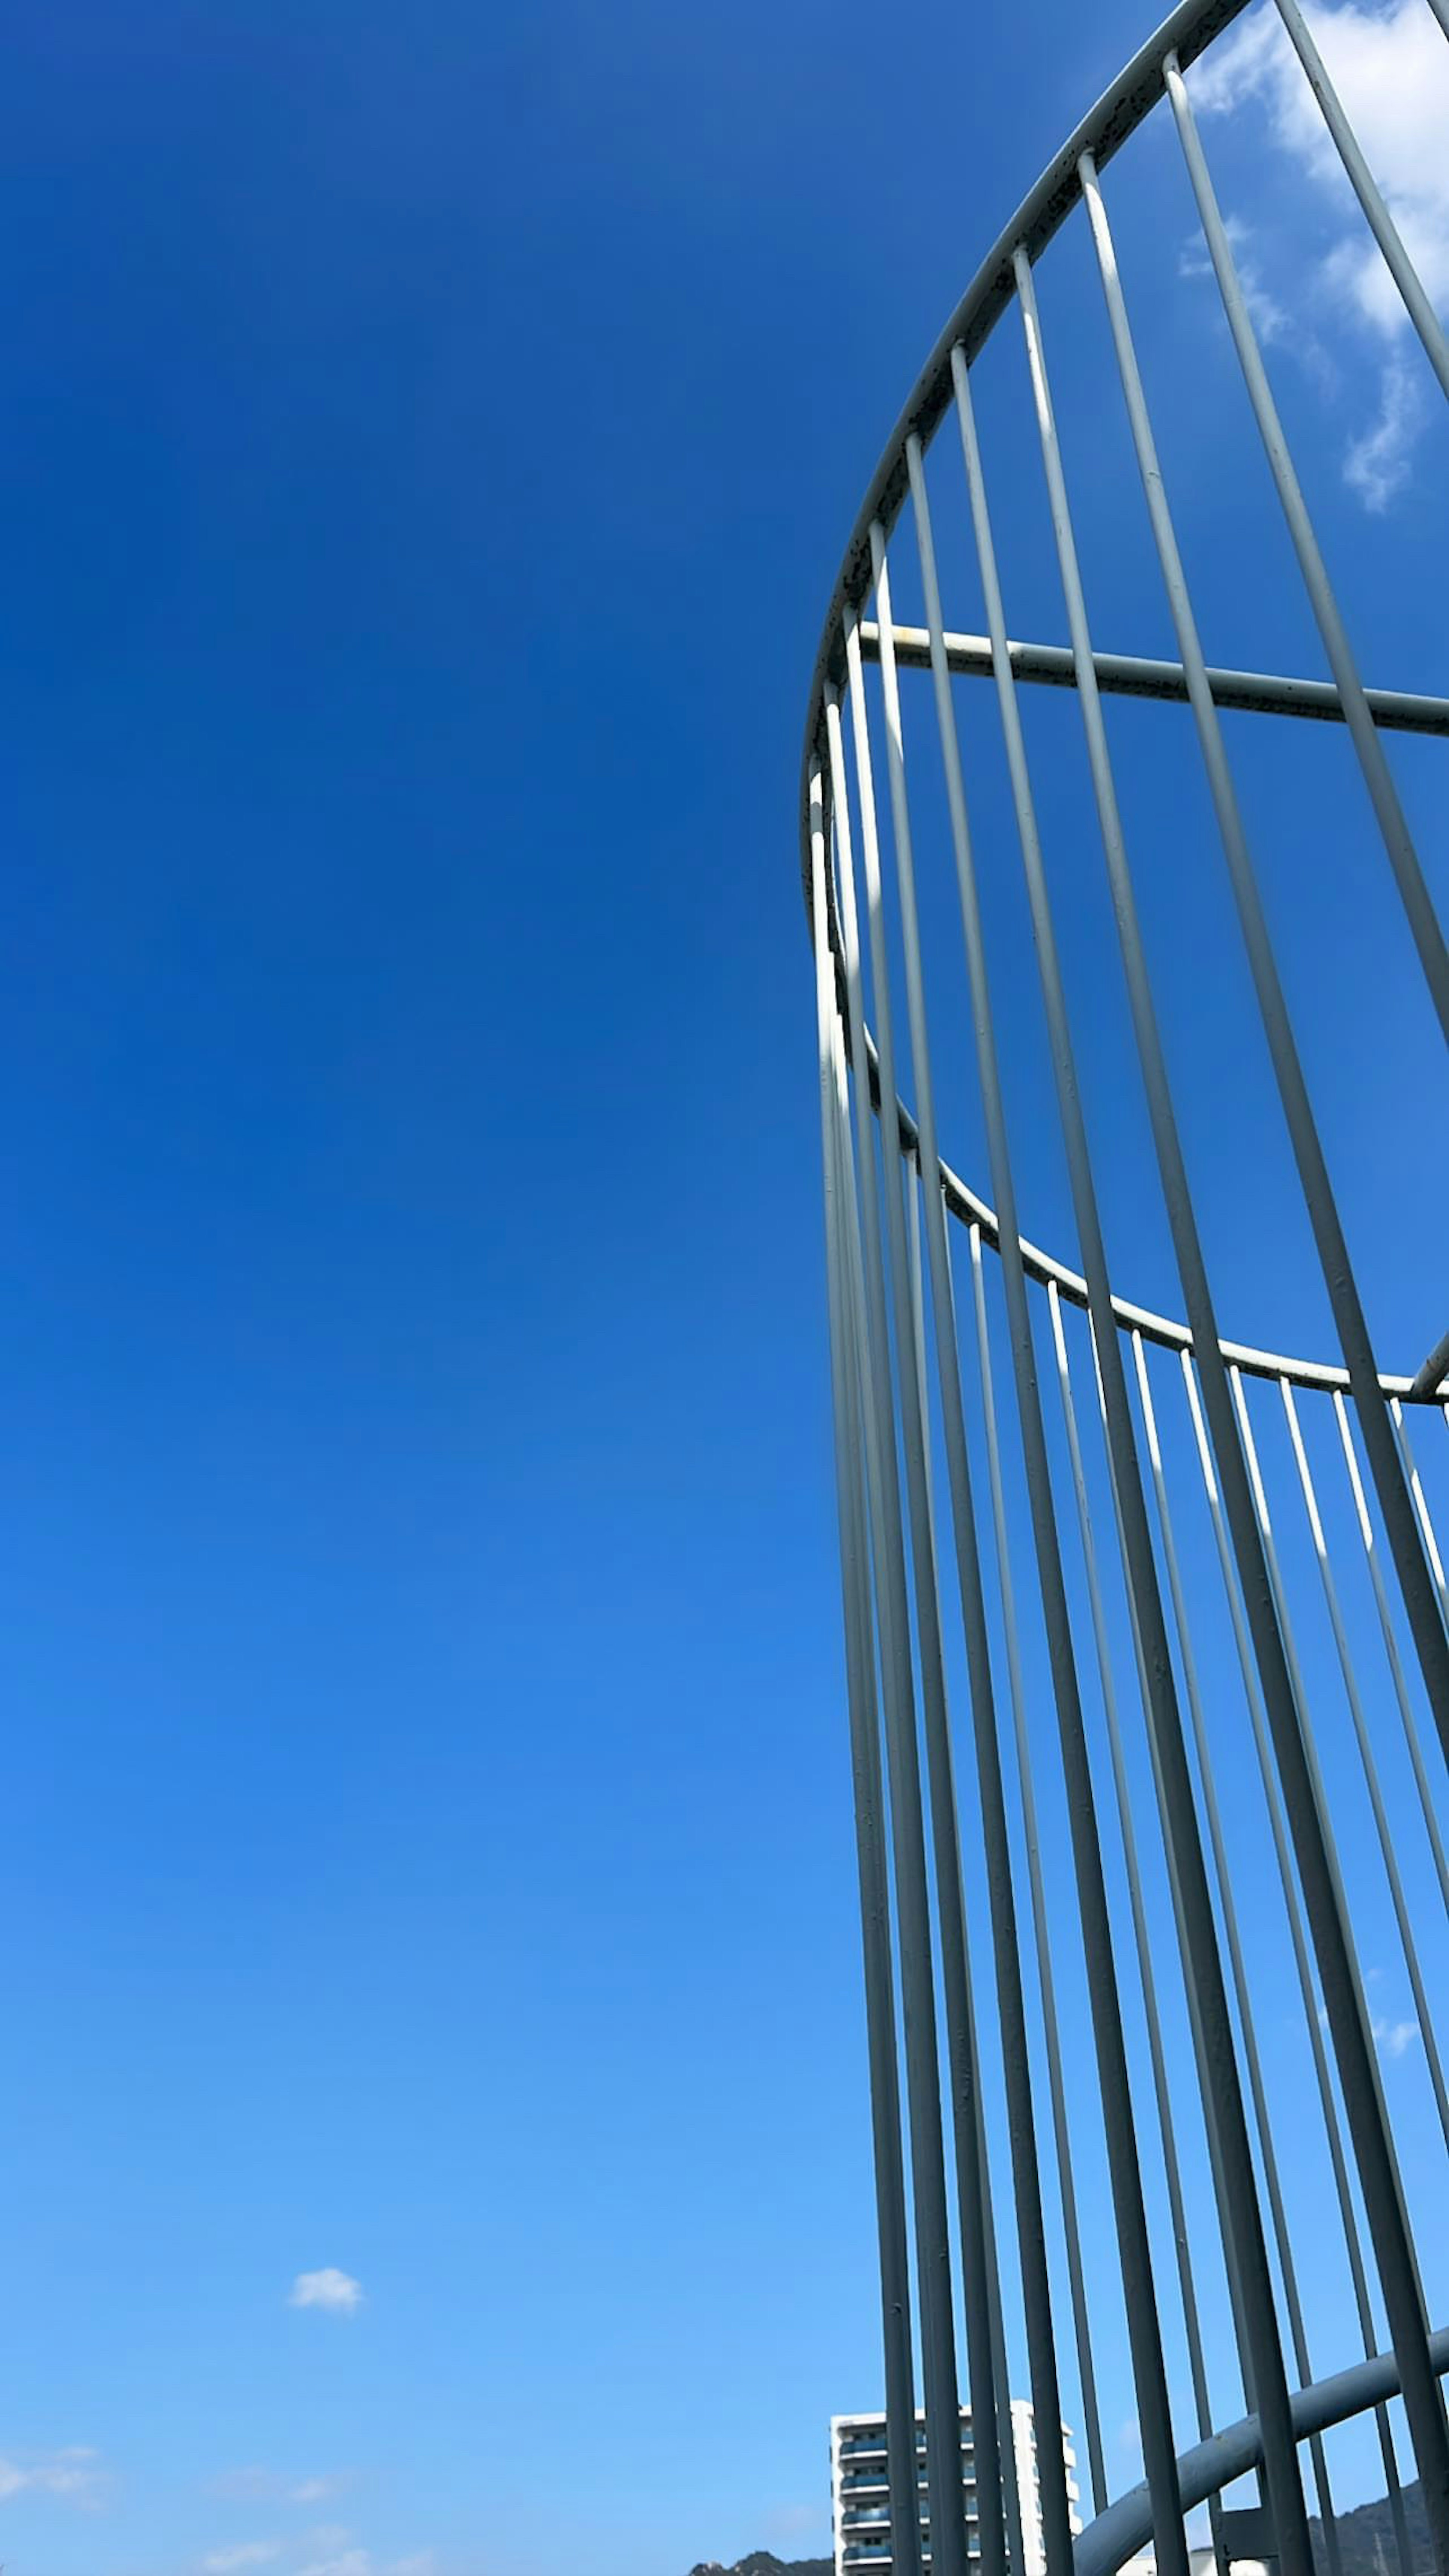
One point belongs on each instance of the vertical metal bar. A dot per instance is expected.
(1005, 2438)
(1422, 1515)
(1241, 1988)
(1398, 842)
(1362, 2296)
(1370, 1768)
(1235, 2296)
(1239, 2213)
(1119, 2124)
(865, 1755)
(1308, 1153)
(1381, 223)
(1141, 1934)
(923, 2089)
(1391, 1645)
(1338, 1966)
(943, 2462)
(1061, 2125)
(1016, 2063)
(1279, 1596)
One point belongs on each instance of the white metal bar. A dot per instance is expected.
(1370, 1767)
(1383, 795)
(1061, 2125)
(1307, 1989)
(1380, 222)
(1391, 1645)
(1133, 675)
(1241, 1989)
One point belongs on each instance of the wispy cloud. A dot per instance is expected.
(329, 2289)
(1270, 318)
(254, 2485)
(241, 2553)
(1378, 464)
(361, 2562)
(1390, 67)
(74, 2474)
(1392, 2037)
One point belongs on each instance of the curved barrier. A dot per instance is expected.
(1147, 1629)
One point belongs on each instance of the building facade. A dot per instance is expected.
(860, 2494)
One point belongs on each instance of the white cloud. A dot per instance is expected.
(72, 2474)
(328, 2288)
(1390, 67)
(1392, 2037)
(1270, 320)
(361, 2562)
(268, 2486)
(242, 2553)
(329, 2537)
(1378, 464)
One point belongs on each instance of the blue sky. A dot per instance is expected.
(429, 443)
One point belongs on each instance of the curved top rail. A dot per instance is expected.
(1190, 28)
(1186, 32)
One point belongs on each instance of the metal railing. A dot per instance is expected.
(1076, 1533)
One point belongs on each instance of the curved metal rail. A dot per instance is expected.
(1257, 1669)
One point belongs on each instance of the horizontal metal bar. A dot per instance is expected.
(1126, 2526)
(1129, 675)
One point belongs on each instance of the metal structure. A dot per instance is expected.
(1147, 1630)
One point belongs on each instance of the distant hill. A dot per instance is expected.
(1365, 2542)
(763, 2562)
(1366, 2538)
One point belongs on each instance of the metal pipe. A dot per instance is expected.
(1424, 1518)
(942, 2455)
(1006, 2444)
(1338, 1966)
(1383, 795)
(1104, 2001)
(1016, 2067)
(907, 1820)
(1365, 187)
(1142, 1939)
(865, 1759)
(1061, 2125)
(1241, 1989)
(1127, 2525)
(1433, 1374)
(1392, 1871)
(1311, 2010)
(1391, 1645)
(1131, 675)
(1240, 2216)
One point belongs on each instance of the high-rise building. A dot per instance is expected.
(860, 2494)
